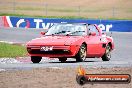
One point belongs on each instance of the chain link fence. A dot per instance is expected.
(44, 9)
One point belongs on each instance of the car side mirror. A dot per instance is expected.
(42, 33)
(92, 33)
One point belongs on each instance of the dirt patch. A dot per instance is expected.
(56, 78)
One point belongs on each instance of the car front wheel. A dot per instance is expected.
(36, 59)
(107, 54)
(82, 53)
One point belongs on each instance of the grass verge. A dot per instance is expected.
(23, 15)
(61, 17)
(11, 51)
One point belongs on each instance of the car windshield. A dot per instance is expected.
(67, 29)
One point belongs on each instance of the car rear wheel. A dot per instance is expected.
(62, 59)
(107, 55)
(82, 53)
(36, 59)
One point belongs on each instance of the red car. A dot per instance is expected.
(77, 40)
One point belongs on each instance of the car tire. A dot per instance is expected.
(62, 59)
(107, 54)
(36, 59)
(82, 53)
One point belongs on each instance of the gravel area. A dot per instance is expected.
(56, 78)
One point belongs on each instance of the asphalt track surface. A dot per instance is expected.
(121, 56)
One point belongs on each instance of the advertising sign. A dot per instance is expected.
(45, 23)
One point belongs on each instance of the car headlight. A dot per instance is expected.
(67, 43)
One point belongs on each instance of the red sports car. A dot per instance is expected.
(76, 40)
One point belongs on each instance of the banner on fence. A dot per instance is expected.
(46, 23)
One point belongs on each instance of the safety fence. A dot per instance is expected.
(98, 10)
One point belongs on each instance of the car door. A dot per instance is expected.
(93, 41)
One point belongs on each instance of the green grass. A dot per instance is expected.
(23, 15)
(8, 50)
(62, 17)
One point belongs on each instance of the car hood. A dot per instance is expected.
(54, 40)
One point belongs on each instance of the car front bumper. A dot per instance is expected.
(57, 51)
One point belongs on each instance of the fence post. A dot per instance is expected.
(46, 7)
(79, 11)
(113, 12)
(14, 6)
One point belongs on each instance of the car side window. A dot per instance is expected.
(92, 28)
